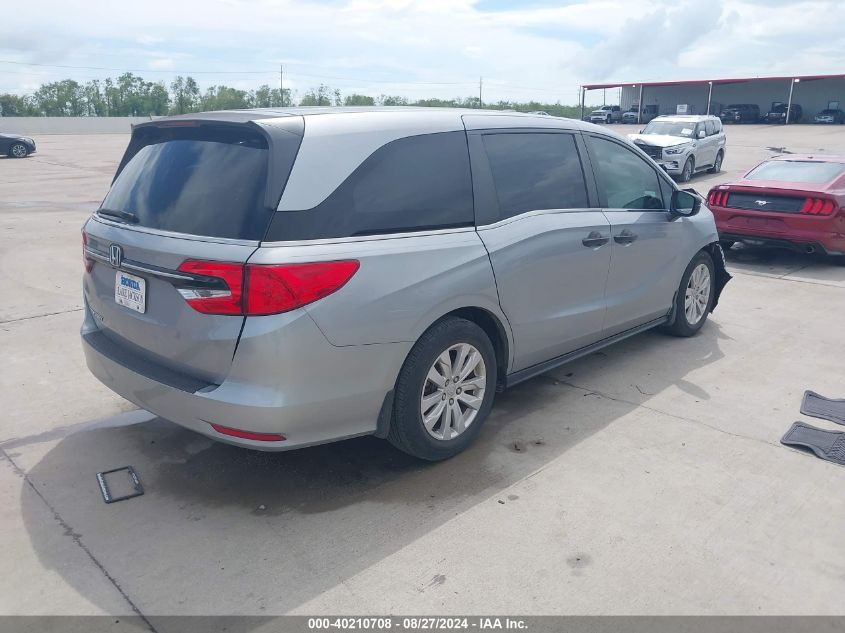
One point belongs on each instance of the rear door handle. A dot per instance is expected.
(625, 237)
(595, 239)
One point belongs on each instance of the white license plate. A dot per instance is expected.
(130, 291)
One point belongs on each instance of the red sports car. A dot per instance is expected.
(791, 201)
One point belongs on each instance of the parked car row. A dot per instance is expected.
(750, 113)
(733, 113)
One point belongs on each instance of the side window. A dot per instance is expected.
(415, 183)
(628, 182)
(533, 171)
(710, 127)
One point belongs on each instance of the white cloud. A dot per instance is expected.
(395, 46)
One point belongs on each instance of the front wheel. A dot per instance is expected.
(694, 299)
(18, 150)
(444, 391)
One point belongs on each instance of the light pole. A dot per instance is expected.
(639, 105)
(789, 103)
(709, 96)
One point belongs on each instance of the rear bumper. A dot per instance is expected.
(784, 230)
(285, 378)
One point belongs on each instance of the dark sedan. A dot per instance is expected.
(16, 146)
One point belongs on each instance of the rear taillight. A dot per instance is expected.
(222, 292)
(86, 261)
(717, 198)
(272, 289)
(261, 289)
(818, 206)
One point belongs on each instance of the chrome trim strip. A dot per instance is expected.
(128, 264)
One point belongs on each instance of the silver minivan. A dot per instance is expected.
(282, 278)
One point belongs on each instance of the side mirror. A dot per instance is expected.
(685, 203)
(702, 134)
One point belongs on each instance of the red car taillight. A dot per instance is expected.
(86, 261)
(261, 289)
(818, 206)
(717, 198)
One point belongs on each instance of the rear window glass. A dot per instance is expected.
(797, 171)
(533, 171)
(416, 183)
(206, 180)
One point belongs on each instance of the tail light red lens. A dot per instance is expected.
(818, 206)
(717, 198)
(86, 261)
(272, 289)
(209, 300)
(261, 289)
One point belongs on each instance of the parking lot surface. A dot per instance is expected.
(647, 478)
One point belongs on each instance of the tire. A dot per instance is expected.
(689, 168)
(18, 150)
(684, 325)
(408, 431)
(717, 166)
(726, 244)
(607, 121)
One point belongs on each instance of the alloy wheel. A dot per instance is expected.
(18, 150)
(453, 391)
(697, 295)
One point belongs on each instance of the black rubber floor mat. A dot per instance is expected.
(825, 408)
(829, 445)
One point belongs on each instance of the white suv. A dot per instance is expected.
(684, 144)
(606, 114)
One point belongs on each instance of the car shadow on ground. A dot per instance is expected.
(786, 263)
(243, 532)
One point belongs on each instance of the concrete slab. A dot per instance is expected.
(34, 580)
(650, 515)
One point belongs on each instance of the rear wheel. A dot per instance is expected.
(717, 166)
(695, 296)
(18, 150)
(444, 391)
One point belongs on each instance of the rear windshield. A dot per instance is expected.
(797, 171)
(204, 180)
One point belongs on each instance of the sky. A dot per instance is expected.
(531, 50)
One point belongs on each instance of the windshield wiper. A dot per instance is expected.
(124, 216)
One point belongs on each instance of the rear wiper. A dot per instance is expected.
(125, 216)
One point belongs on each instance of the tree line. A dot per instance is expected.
(131, 95)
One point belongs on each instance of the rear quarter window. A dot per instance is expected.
(414, 183)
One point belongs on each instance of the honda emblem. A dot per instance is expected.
(116, 255)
